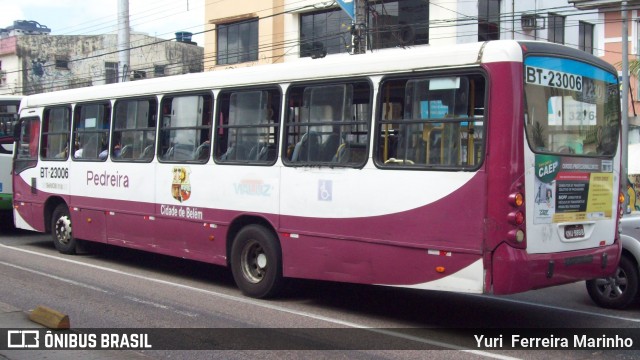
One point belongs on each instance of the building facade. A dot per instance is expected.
(31, 64)
(613, 54)
(252, 33)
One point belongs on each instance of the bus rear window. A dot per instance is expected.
(571, 107)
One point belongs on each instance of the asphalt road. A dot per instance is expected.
(109, 288)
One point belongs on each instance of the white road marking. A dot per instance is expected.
(269, 306)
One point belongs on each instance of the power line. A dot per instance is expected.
(465, 20)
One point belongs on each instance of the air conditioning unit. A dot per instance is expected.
(532, 22)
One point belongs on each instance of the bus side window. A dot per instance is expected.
(326, 122)
(134, 130)
(431, 122)
(56, 126)
(247, 126)
(91, 130)
(186, 123)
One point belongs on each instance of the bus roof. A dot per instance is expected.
(11, 97)
(306, 69)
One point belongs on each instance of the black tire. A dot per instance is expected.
(6, 221)
(256, 262)
(61, 230)
(618, 290)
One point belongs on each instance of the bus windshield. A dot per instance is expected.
(571, 107)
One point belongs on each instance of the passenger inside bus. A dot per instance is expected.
(77, 149)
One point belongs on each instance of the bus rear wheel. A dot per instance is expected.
(256, 262)
(618, 290)
(61, 230)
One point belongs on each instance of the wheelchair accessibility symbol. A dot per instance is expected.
(325, 190)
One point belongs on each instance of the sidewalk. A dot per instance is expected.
(15, 319)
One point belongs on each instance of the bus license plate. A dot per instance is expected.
(573, 231)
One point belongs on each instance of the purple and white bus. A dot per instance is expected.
(481, 168)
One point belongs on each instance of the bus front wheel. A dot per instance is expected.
(256, 262)
(61, 230)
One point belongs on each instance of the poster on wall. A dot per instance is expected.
(572, 189)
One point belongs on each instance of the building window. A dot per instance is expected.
(488, 20)
(237, 42)
(139, 75)
(556, 28)
(586, 37)
(111, 72)
(398, 23)
(325, 32)
(3, 75)
(158, 70)
(62, 63)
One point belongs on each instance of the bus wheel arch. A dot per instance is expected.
(620, 289)
(62, 230)
(255, 258)
(49, 207)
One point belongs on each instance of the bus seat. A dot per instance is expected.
(358, 153)
(254, 153)
(259, 152)
(183, 151)
(272, 152)
(126, 152)
(202, 152)
(147, 153)
(351, 153)
(330, 147)
(308, 148)
(236, 152)
(168, 154)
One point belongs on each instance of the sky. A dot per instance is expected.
(160, 18)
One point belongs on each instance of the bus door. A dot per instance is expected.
(26, 175)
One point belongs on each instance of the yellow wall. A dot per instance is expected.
(270, 28)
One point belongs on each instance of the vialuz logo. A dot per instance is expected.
(23, 339)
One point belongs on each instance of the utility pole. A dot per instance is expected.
(124, 42)
(360, 27)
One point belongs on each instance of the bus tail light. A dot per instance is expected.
(516, 199)
(516, 218)
(516, 235)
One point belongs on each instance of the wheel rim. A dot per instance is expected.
(614, 286)
(63, 230)
(254, 262)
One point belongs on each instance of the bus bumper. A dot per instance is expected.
(514, 270)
